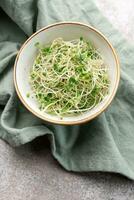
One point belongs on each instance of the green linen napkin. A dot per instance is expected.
(104, 144)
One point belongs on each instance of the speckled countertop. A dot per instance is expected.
(30, 172)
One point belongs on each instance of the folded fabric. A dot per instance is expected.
(105, 143)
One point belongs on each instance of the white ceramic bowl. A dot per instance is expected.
(68, 31)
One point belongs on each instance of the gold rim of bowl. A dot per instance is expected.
(92, 116)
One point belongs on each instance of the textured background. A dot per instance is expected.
(30, 173)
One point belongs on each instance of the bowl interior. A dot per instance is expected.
(67, 31)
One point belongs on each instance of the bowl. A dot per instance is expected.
(68, 31)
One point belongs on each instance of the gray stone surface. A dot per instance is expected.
(121, 15)
(30, 172)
